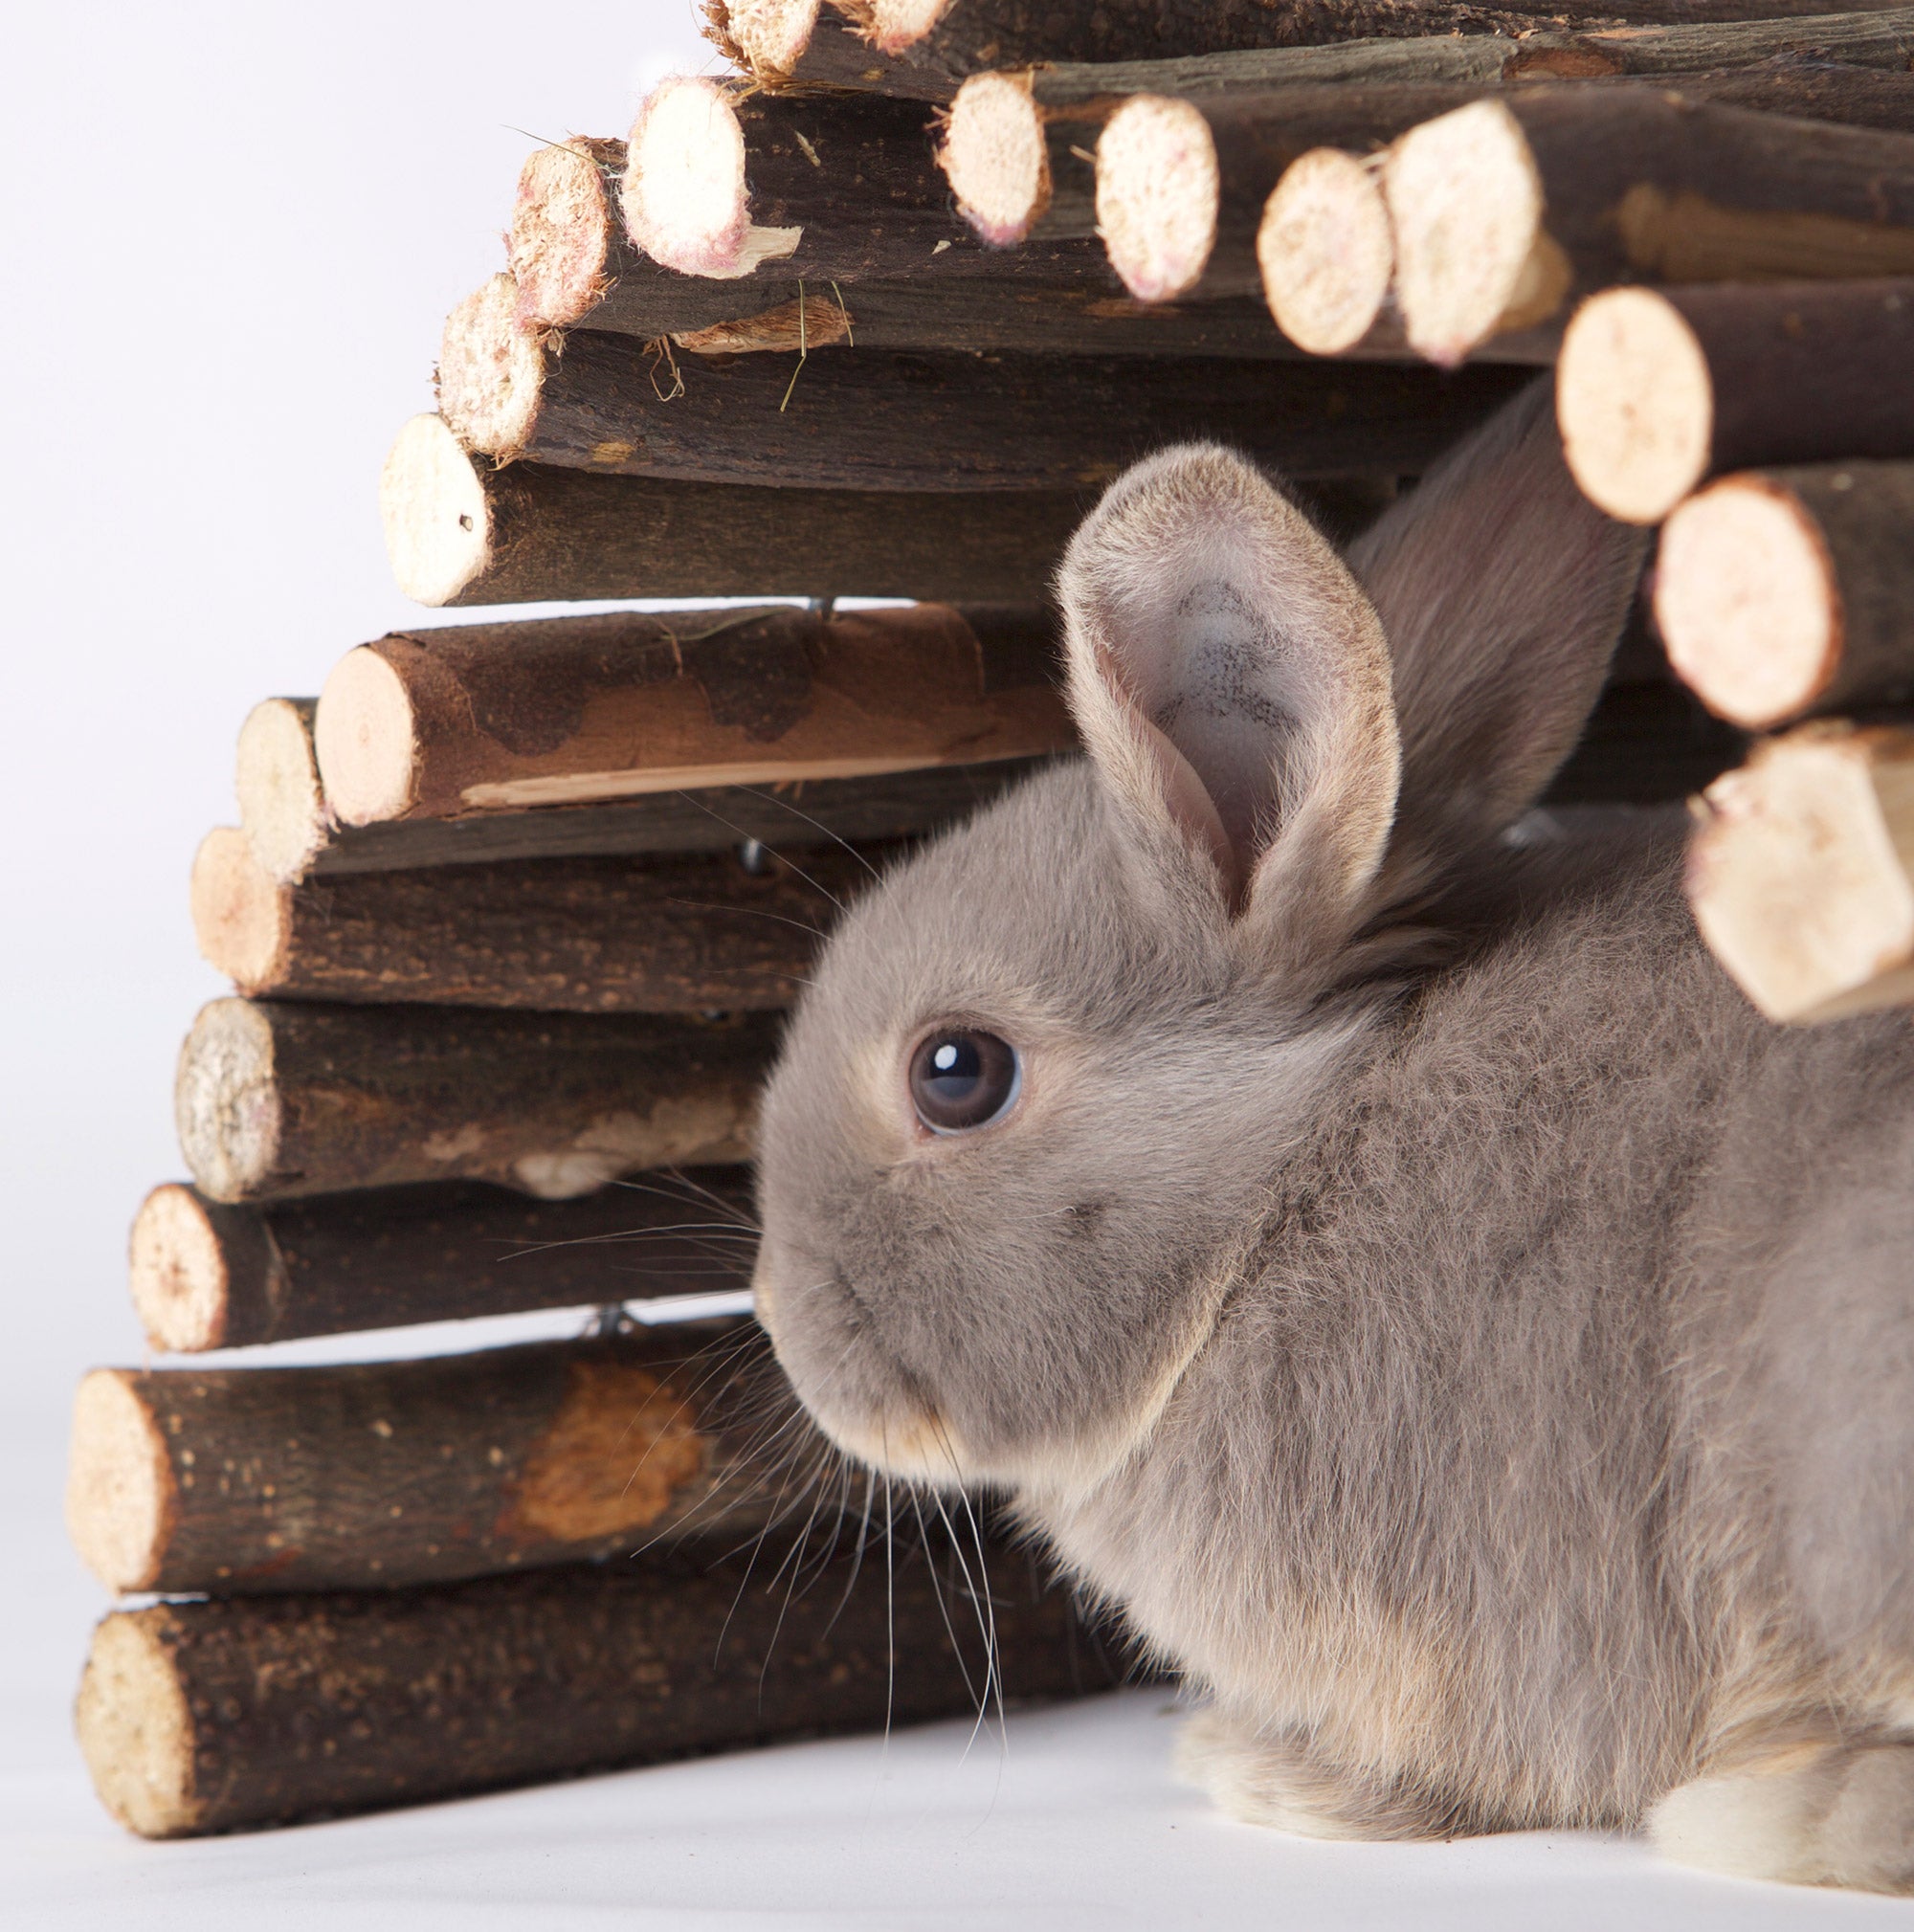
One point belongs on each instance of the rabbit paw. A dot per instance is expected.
(1816, 1815)
(1278, 1781)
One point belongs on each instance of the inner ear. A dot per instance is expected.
(1213, 686)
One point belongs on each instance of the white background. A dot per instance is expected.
(231, 235)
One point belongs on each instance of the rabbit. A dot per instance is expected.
(1377, 1251)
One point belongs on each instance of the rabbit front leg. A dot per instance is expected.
(1281, 1780)
(1830, 1813)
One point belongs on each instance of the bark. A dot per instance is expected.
(381, 1473)
(975, 35)
(1801, 874)
(458, 531)
(650, 935)
(277, 1099)
(866, 419)
(571, 265)
(1786, 591)
(1809, 90)
(1636, 186)
(208, 1275)
(485, 717)
(790, 815)
(1645, 744)
(1659, 389)
(212, 1716)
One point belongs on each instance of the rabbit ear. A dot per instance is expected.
(1502, 591)
(1232, 686)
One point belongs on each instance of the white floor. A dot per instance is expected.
(1075, 1825)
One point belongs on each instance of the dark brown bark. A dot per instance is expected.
(1807, 89)
(1645, 744)
(223, 1716)
(1784, 372)
(383, 1474)
(864, 419)
(535, 532)
(792, 815)
(651, 935)
(207, 1275)
(976, 35)
(438, 722)
(1099, 318)
(277, 1099)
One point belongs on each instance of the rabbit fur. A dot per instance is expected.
(1466, 1340)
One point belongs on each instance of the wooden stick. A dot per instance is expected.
(1646, 743)
(251, 1711)
(1807, 89)
(649, 935)
(1507, 207)
(1801, 874)
(866, 419)
(1182, 181)
(291, 828)
(278, 1098)
(1325, 246)
(571, 265)
(207, 1275)
(459, 532)
(1659, 388)
(275, 777)
(927, 51)
(363, 1474)
(720, 183)
(489, 716)
(1787, 591)
(1325, 254)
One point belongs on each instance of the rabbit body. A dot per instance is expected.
(1462, 1335)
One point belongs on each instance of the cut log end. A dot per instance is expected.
(491, 372)
(1472, 257)
(177, 1272)
(120, 1494)
(768, 37)
(438, 533)
(241, 914)
(1636, 404)
(893, 27)
(1799, 873)
(994, 158)
(684, 197)
(281, 804)
(135, 1729)
(1326, 251)
(365, 738)
(225, 1102)
(1158, 189)
(561, 237)
(1748, 603)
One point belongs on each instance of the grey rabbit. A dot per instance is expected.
(1379, 1252)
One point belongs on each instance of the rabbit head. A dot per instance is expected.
(1026, 1118)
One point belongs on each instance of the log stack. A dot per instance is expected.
(512, 905)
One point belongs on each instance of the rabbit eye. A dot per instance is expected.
(960, 1079)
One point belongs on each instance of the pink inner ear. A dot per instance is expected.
(1194, 812)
